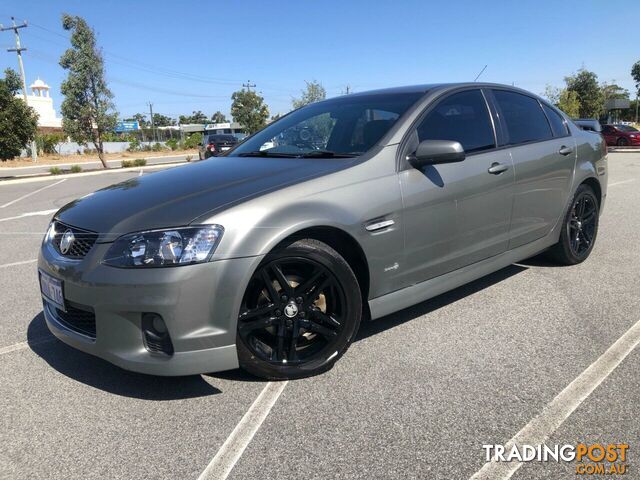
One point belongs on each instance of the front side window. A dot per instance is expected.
(462, 117)
(558, 125)
(345, 126)
(524, 119)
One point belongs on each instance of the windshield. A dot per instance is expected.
(222, 138)
(345, 126)
(626, 128)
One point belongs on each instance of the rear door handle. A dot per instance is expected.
(497, 168)
(565, 150)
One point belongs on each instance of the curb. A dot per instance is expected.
(28, 178)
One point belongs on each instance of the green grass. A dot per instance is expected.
(127, 164)
(76, 168)
(140, 162)
(55, 171)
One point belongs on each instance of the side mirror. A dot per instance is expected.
(431, 152)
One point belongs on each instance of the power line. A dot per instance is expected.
(19, 49)
(248, 85)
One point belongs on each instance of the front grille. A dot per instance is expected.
(78, 320)
(82, 242)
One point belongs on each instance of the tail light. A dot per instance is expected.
(211, 147)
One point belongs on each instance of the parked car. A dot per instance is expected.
(216, 144)
(621, 135)
(588, 124)
(270, 258)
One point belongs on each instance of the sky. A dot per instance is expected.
(191, 55)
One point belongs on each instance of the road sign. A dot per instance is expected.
(127, 126)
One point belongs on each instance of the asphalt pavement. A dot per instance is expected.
(416, 396)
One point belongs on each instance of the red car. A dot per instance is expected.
(621, 135)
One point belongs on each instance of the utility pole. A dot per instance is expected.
(347, 90)
(249, 85)
(19, 50)
(153, 125)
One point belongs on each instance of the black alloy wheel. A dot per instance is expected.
(580, 228)
(299, 313)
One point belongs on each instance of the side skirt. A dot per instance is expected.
(400, 299)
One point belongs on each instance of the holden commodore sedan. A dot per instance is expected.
(269, 257)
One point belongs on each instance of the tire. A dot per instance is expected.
(622, 142)
(304, 287)
(579, 228)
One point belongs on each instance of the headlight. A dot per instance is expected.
(633, 135)
(163, 248)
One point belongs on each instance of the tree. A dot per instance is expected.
(585, 84)
(219, 117)
(87, 109)
(248, 109)
(314, 92)
(141, 118)
(160, 120)
(18, 122)
(635, 73)
(569, 103)
(195, 117)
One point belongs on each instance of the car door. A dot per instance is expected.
(456, 214)
(543, 162)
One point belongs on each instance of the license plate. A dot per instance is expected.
(224, 149)
(51, 289)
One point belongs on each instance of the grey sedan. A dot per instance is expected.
(270, 256)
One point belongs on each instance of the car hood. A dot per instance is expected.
(176, 196)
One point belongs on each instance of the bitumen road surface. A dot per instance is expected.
(416, 396)
(38, 169)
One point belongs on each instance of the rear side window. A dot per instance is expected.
(462, 117)
(558, 125)
(524, 119)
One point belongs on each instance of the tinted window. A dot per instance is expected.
(221, 138)
(462, 117)
(558, 126)
(626, 128)
(524, 119)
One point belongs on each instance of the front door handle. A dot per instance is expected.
(497, 168)
(565, 150)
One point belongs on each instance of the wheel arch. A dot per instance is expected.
(595, 186)
(343, 243)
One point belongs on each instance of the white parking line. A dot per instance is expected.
(622, 182)
(14, 264)
(23, 345)
(538, 430)
(232, 449)
(30, 214)
(32, 193)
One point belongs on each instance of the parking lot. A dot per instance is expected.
(416, 396)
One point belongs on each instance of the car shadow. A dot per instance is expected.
(387, 322)
(100, 374)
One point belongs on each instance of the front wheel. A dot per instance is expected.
(622, 142)
(579, 229)
(300, 312)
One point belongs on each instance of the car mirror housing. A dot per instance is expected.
(431, 152)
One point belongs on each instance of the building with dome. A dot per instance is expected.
(42, 103)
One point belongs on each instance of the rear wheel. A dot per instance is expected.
(579, 230)
(622, 142)
(300, 312)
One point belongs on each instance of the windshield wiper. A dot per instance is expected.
(327, 154)
(266, 153)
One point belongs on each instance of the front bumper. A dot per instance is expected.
(199, 304)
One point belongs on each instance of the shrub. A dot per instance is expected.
(134, 145)
(193, 140)
(48, 142)
(157, 147)
(188, 158)
(172, 143)
(76, 168)
(127, 164)
(140, 162)
(55, 171)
